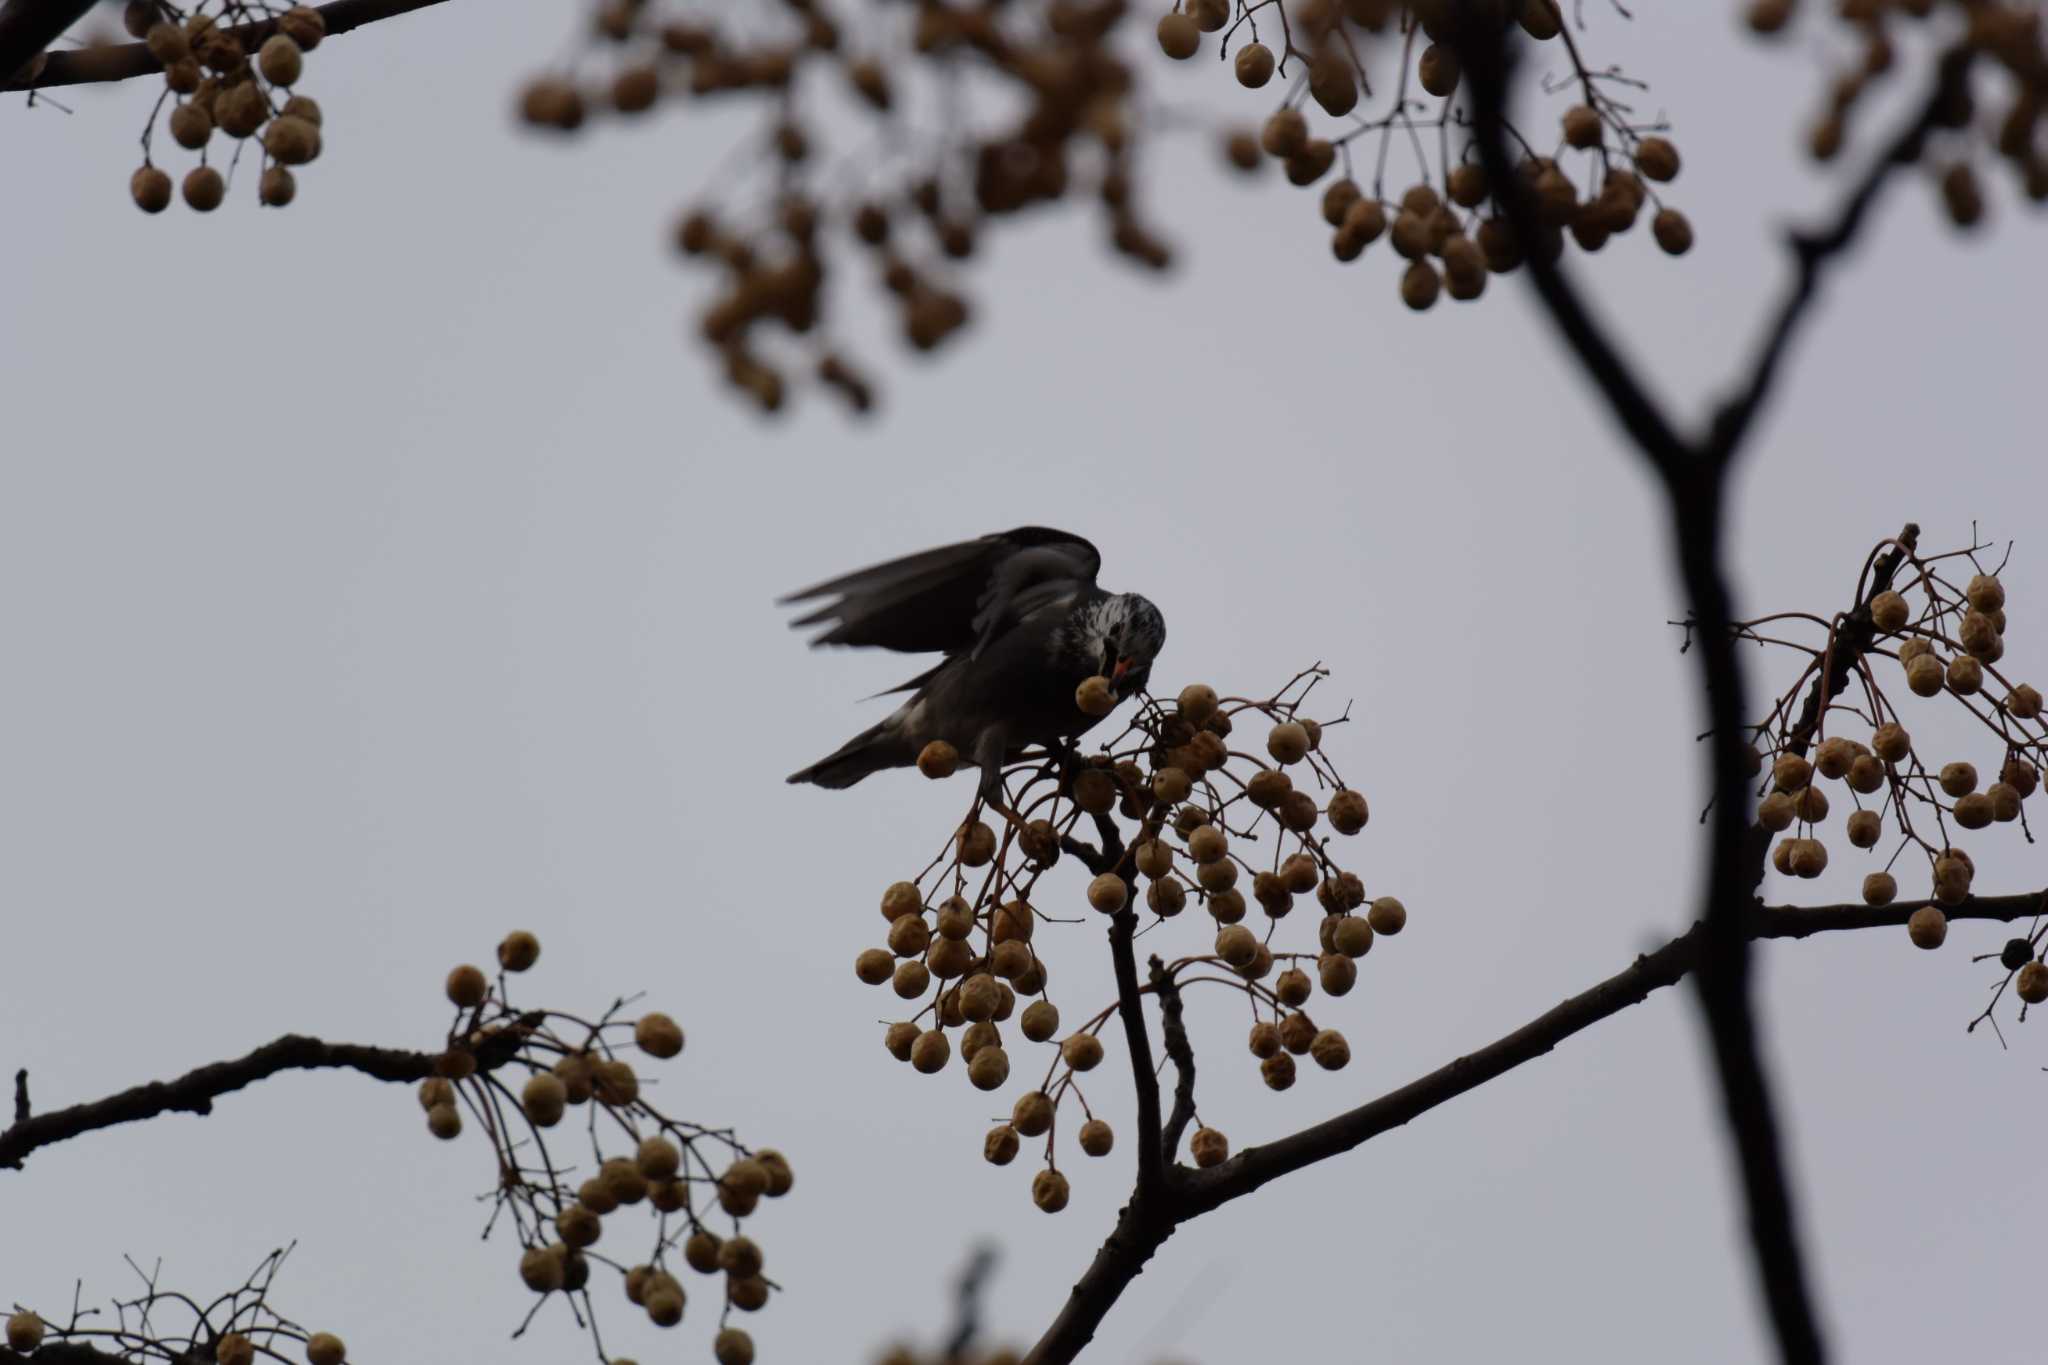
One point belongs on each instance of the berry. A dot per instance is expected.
(1049, 1191)
(1082, 1051)
(204, 189)
(658, 1035)
(519, 951)
(280, 59)
(24, 1332)
(1927, 927)
(1179, 38)
(1209, 1147)
(150, 188)
(1254, 65)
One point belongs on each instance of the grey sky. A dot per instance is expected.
(389, 572)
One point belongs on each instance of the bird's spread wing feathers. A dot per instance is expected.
(953, 598)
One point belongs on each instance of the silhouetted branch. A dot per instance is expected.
(967, 1296)
(195, 1091)
(1144, 1077)
(1174, 1035)
(99, 65)
(1141, 1230)
(29, 26)
(1813, 251)
(1694, 480)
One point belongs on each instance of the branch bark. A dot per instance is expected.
(126, 61)
(195, 1091)
(29, 26)
(1141, 1231)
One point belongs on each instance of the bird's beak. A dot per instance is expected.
(1116, 678)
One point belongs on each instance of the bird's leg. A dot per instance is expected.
(988, 755)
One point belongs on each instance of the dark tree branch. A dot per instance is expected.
(1190, 1193)
(1174, 1035)
(100, 65)
(195, 1091)
(29, 26)
(1130, 1004)
(1695, 486)
(1812, 252)
(66, 1353)
(1846, 650)
(967, 1296)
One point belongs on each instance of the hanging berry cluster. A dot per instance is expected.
(847, 154)
(1936, 624)
(685, 1175)
(1182, 822)
(1977, 119)
(231, 69)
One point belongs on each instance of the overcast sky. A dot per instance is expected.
(390, 572)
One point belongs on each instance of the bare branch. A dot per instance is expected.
(1130, 1004)
(195, 1091)
(1141, 1231)
(1813, 251)
(1694, 484)
(126, 61)
(1175, 1036)
(29, 26)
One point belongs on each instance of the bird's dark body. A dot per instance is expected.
(1023, 624)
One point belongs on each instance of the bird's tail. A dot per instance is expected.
(870, 751)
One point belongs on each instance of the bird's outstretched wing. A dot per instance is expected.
(953, 598)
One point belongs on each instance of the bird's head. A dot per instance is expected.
(1128, 634)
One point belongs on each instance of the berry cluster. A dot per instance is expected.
(1186, 822)
(234, 69)
(1592, 180)
(1939, 620)
(2004, 35)
(885, 137)
(682, 1172)
(159, 1324)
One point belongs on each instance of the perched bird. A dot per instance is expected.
(1022, 624)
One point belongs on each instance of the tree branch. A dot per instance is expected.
(29, 26)
(1812, 252)
(1175, 1036)
(126, 61)
(1694, 484)
(1130, 1004)
(1191, 1193)
(195, 1091)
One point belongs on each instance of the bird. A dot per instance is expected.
(1021, 622)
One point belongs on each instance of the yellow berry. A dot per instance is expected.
(1208, 1147)
(518, 951)
(1094, 697)
(280, 60)
(24, 1332)
(1254, 65)
(1082, 1051)
(204, 189)
(467, 986)
(1927, 926)
(658, 1035)
(1288, 742)
(325, 1348)
(938, 759)
(1049, 1191)
(1179, 36)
